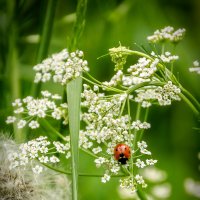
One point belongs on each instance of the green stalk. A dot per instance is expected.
(50, 128)
(80, 174)
(45, 38)
(141, 194)
(12, 64)
(145, 119)
(74, 97)
(188, 102)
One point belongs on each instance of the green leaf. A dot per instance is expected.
(73, 98)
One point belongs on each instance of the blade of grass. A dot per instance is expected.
(74, 98)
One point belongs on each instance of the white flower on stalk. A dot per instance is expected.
(168, 33)
(61, 67)
(140, 164)
(105, 178)
(164, 95)
(37, 169)
(34, 109)
(21, 124)
(33, 124)
(99, 161)
(196, 67)
(43, 159)
(139, 125)
(54, 159)
(151, 161)
(10, 119)
(97, 150)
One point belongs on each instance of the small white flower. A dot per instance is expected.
(19, 110)
(144, 151)
(97, 150)
(10, 119)
(105, 178)
(46, 93)
(43, 159)
(17, 103)
(140, 164)
(196, 63)
(151, 161)
(21, 123)
(33, 124)
(54, 159)
(68, 155)
(139, 179)
(142, 145)
(99, 161)
(37, 169)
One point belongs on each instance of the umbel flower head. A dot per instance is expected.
(61, 67)
(22, 184)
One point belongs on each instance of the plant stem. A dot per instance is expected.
(45, 38)
(80, 174)
(12, 64)
(47, 125)
(141, 194)
(195, 111)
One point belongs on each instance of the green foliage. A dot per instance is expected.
(107, 23)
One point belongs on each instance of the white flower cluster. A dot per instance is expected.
(117, 78)
(40, 149)
(61, 67)
(163, 95)
(137, 73)
(33, 109)
(131, 183)
(167, 34)
(140, 72)
(105, 128)
(196, 67)
(167, 57)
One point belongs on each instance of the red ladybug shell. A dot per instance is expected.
(122, 153)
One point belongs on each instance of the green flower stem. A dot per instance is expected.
(141, 194)
(89, 153)
(137, 117)
(45, 124)
(45, 38)
(190, 96)
(92, 78)
(140, 85)
(145, 119)
(193, 108)
(80, 174)
(122, 108)
(103, 86)
(129, 130)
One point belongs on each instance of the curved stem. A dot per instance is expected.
(47, 125)
(189, 95)
(195, 111)
(170, 76)
(80, 174)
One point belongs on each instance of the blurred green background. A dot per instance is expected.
(172, 138)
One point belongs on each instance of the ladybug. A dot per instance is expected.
(122, 153)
